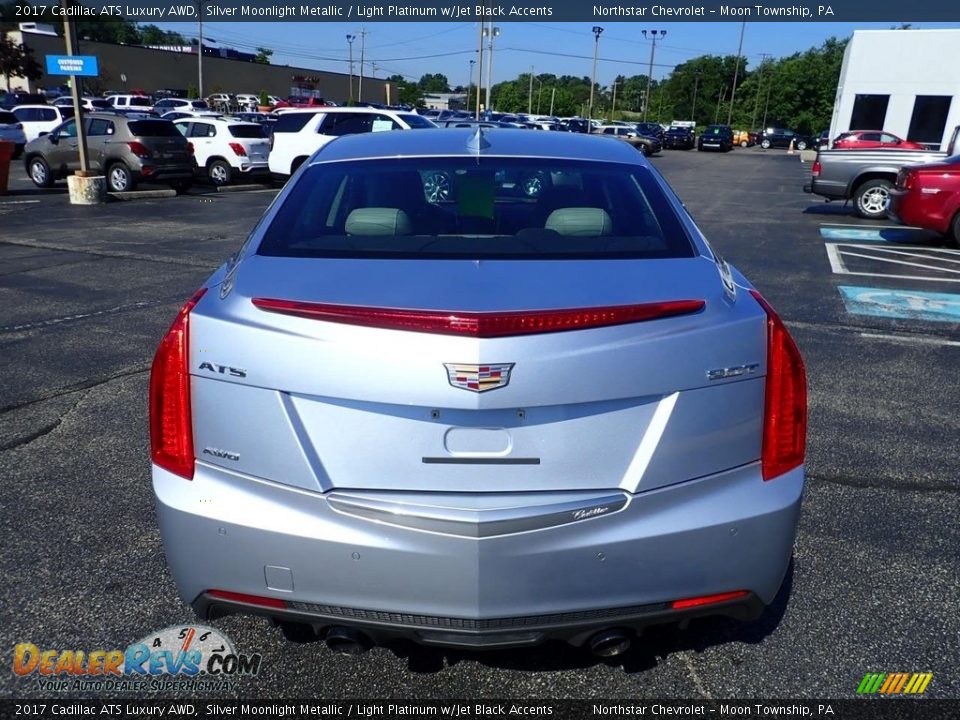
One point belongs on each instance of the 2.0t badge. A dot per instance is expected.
(478, 378)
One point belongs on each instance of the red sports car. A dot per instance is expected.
(872, 140)
(928, 196)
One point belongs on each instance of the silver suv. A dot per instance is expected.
(126, 150)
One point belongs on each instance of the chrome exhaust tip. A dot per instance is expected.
(609, 643)
(347, 641)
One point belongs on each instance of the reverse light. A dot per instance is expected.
(238, 149)
(707, 599)
(249, 599)
(171, 426)
(482, 324)
(138, 149)
(785, 405)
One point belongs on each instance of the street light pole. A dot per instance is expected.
(756, 104)
(469, 83)
(696, 82)
(553, 96)
(736, 72)
(720, 98)
(530, 93)
(363, 42)
(70, 37)
(479, 68)
(597, 31)
(350, 39)
(491, 33)
(200, 52)
(653, 49)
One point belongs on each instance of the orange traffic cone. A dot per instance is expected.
(790, 151)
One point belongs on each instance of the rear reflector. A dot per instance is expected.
(785, 407)
(482, 324)
(249, 599)
(707, 599)
(171, 428)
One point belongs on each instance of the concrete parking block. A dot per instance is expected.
(143, 194)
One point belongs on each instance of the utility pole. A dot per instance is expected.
(539, 93)
(653, 49)
(200, 52)
(613, 109)
(756, 104)
(469, 83)
(491, 33)
(70, 36)
(766, 105)
(663, 85)
(363, 42)
(479, 68)
(696, 82)
(350, 39)
(553, 95)
(736, 72)
(530, 93)
(597, 32)
(723, 94)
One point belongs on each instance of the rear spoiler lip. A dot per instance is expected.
(482, 324)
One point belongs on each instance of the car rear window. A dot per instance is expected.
(140, 102)
(154, 128)
(247, 131)
(470, 208)
(292, 122)
(417, 122)
(101, 104)
(8, 118)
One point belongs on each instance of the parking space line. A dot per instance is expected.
(836, 252)
(908, 339)
(836, 263)
(901, 262)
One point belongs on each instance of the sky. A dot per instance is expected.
(413, 49)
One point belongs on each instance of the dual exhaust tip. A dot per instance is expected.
(349, 641)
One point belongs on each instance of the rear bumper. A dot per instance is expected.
(826, 189)
(728, 532)
(163, 173)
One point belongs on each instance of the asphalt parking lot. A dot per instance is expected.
(86, 294)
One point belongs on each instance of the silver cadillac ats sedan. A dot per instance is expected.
(477, 389)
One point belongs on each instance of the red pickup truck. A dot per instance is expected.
(928, 196)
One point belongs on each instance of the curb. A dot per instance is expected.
(142, 194)
(244, 188)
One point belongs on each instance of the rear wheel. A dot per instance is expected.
(802, 145)
(743, 143)
(956, 228)
(220, 172)
(40, 172)
(765, 144)
(120, 179)
(872, 199)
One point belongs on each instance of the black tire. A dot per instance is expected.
(219, 172)
(955, 227)
(872, 199)
(120, 179)
(181, 186)
(802, 145)
(39, 172)
(765, 144)
(644, 150)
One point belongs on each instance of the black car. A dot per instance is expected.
(679, 138)
(716, 137)
(780, 138)
(578, 125)
(651, 129)
(10, 100)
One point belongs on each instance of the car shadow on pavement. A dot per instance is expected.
(648, 650)
(834, 209)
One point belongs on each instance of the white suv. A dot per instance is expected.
(226, 148)
(123, 103)
(299, 134)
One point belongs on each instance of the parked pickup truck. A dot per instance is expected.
(866, 176)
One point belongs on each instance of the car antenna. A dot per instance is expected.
(478, 141)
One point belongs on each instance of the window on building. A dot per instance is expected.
(869, 111)
(929, 119)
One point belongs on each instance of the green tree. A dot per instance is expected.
(263, 56)
(434, 83)
(408, 92)
(17, 59)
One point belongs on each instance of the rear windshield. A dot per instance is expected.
(140, 102)
(154, 128)
(247, 131)
(416, 122)
(292, 122)
(8, 118)
(468, 208)
(199, 105)
(101, 104)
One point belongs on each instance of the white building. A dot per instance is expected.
(906, 82)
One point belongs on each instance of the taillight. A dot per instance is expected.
(138, 149)
(482, 324)
(171, 427)
(238, 149)
(815, 170)
(906, 179)
(190, 148)
(785, 406)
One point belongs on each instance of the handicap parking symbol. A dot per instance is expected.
(906, 304)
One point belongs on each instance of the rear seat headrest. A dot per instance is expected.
(377, 221)
(580, 222)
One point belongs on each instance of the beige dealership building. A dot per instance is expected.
(128, 67)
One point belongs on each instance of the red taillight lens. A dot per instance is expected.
(707, 599)
(138, 149)
(815, 170)
(249, 599)
(190, 148)
(480, 324)
(908, 179)
(171, 428)
(785, 407)
(238, 149)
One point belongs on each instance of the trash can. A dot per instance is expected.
(6, 154)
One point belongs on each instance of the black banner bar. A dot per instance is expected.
(519, 11)
(876, 708)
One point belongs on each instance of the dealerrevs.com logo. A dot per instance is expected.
(192, 658)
